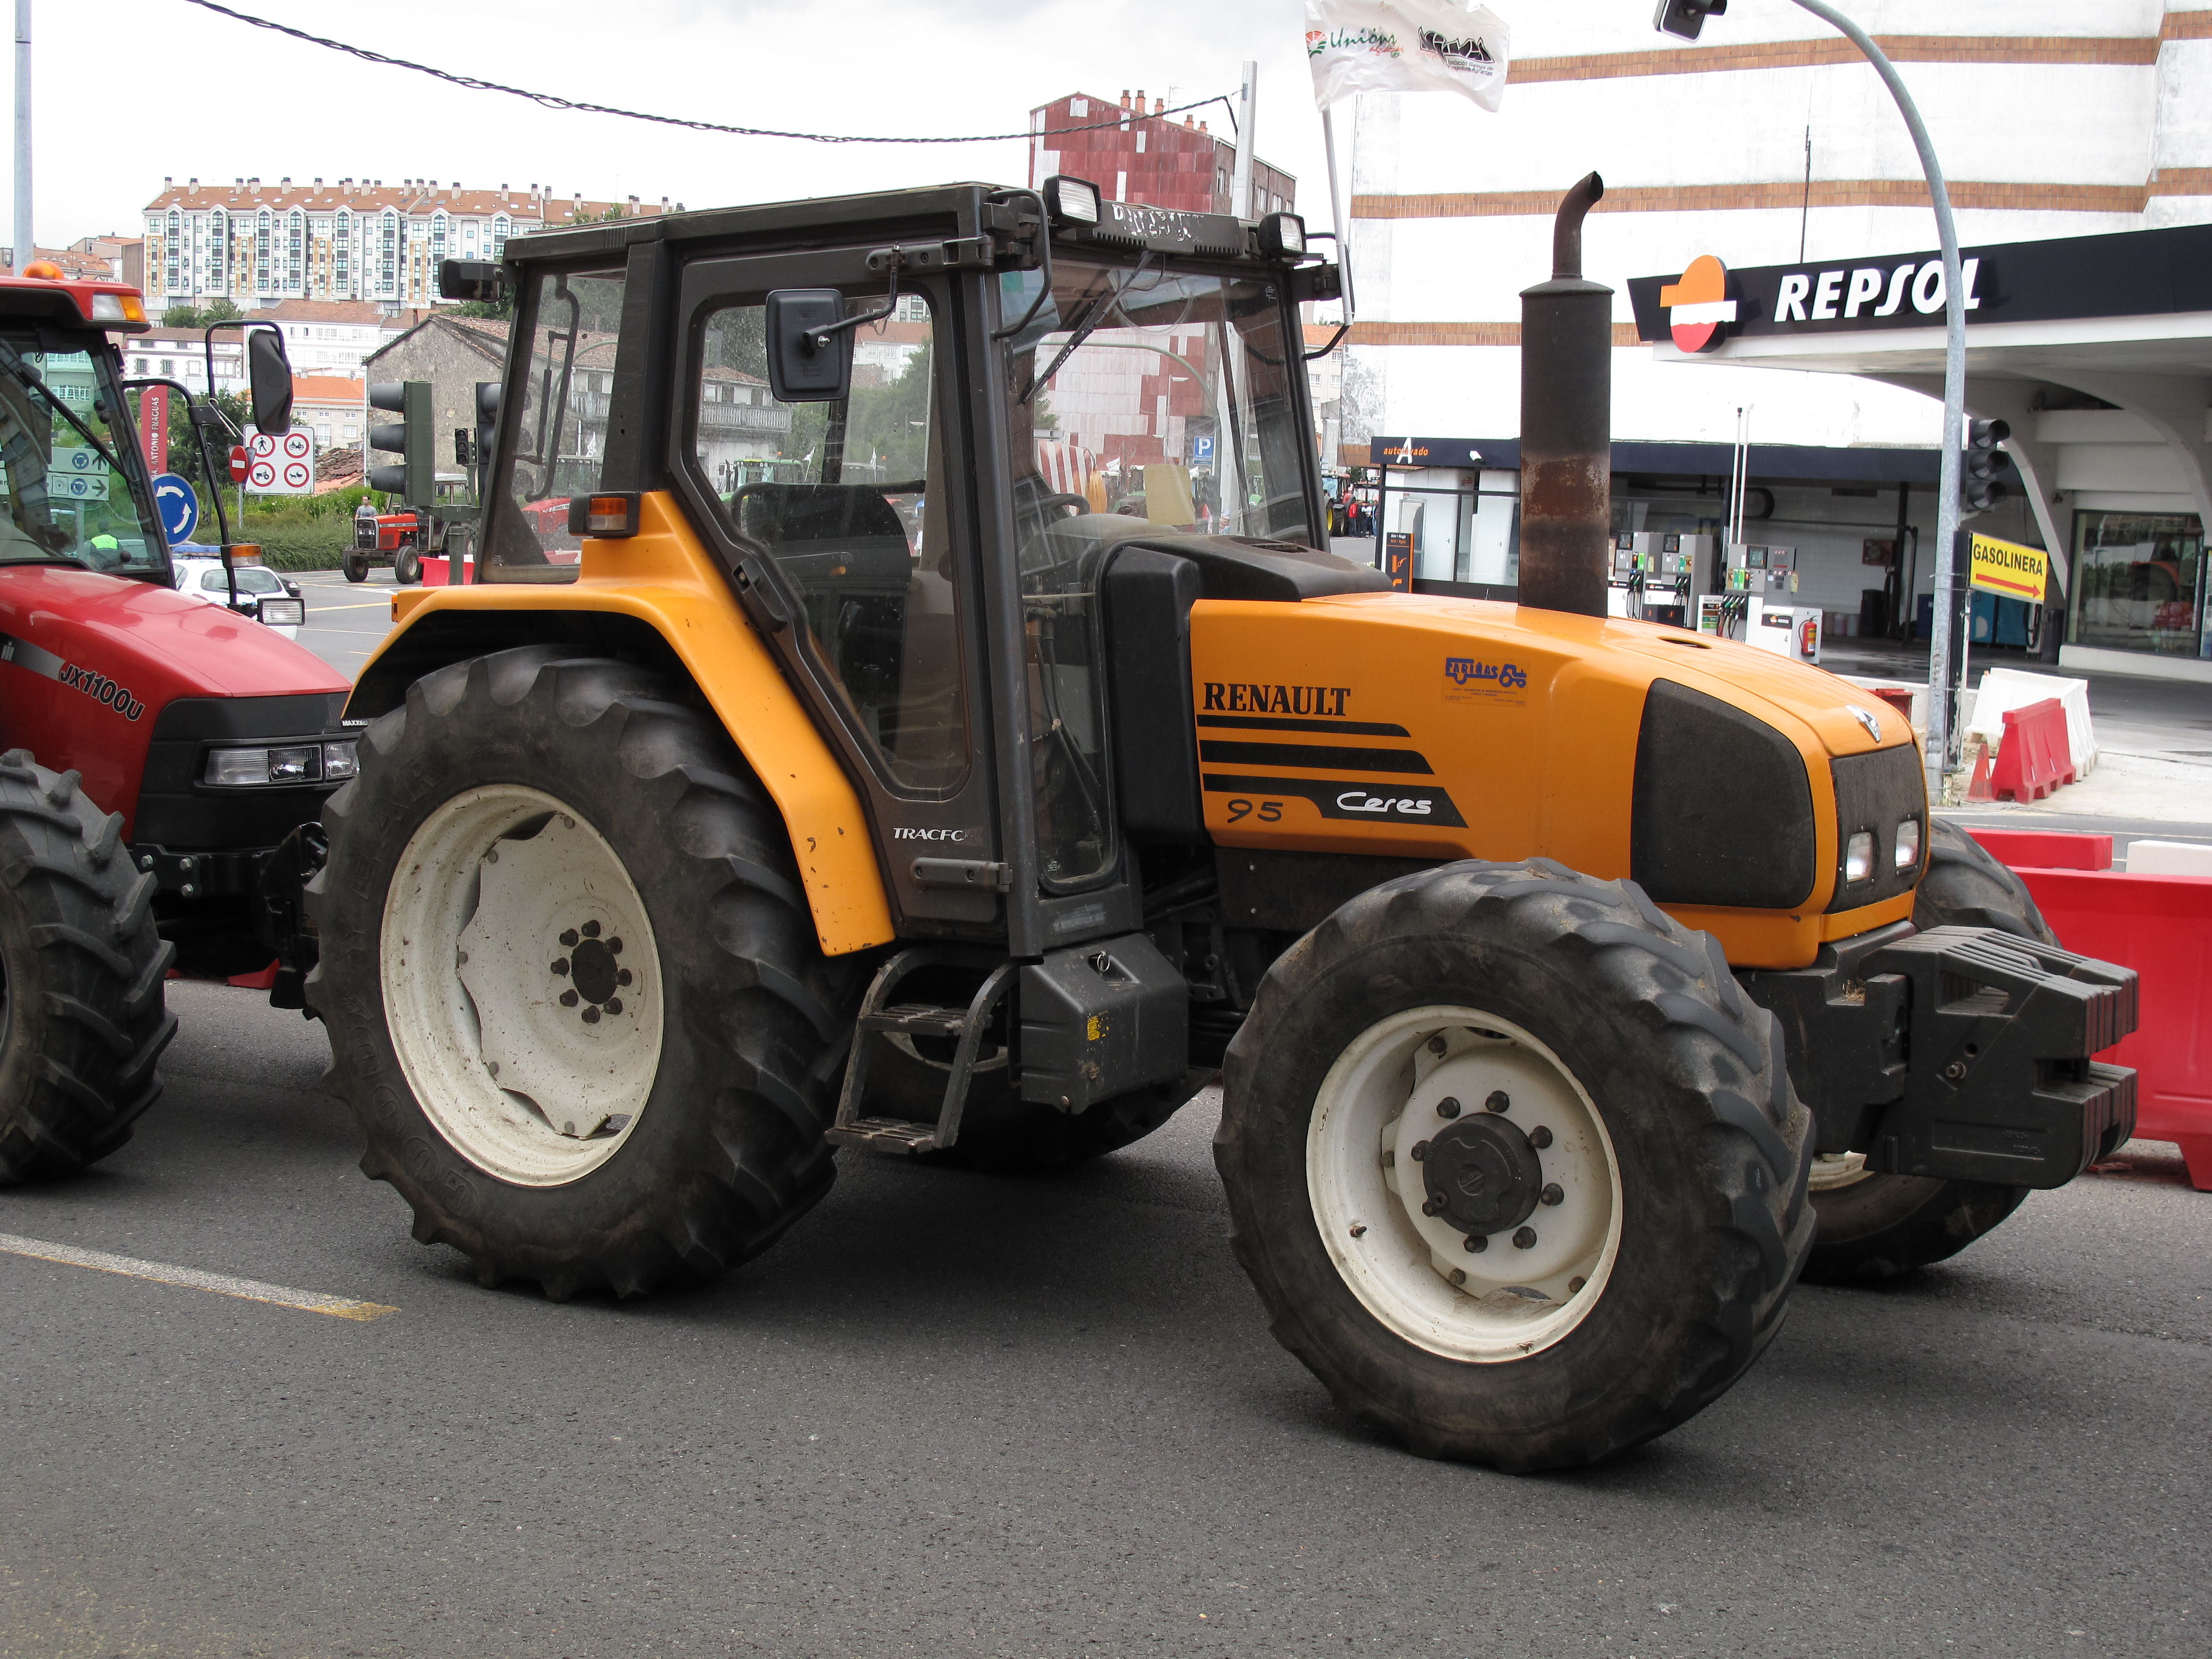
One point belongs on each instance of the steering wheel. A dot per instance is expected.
(1079, 503)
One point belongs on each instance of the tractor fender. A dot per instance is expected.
(660, 598)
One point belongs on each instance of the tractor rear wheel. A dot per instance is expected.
(582, 1018)
(1514, 1163)
(81, 1016)
(1875, 1228)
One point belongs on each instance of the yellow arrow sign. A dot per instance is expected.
(2007, 568)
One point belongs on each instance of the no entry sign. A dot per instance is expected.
(282, 465)
(239, 463)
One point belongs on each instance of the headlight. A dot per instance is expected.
(291, 763)
(1070, 201)
(1858, 856)
(283, 613)
(1908, 843)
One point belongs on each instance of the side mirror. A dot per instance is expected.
(471, 279)
(269, 372)
(803, 366)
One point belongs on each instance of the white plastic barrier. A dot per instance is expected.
(2169, 857)
(2002, 689)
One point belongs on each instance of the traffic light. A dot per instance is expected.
(487, 430)
(1981, 478)
(411, 440)
(1686, 17)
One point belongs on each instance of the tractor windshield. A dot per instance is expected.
(75, 492)
(1158, 394)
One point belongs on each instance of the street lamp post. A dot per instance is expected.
(1684, 18)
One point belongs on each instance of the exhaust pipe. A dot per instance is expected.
(1566, 423)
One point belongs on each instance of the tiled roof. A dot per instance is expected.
(328, 389)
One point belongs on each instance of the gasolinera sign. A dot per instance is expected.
(2007, 568)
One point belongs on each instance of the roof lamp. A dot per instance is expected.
(1283, 236)
(1070, 201)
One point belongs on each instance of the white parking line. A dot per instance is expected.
(160, 1272)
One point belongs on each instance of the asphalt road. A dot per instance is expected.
(951, 1414)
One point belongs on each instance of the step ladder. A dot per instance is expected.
(881, 1019)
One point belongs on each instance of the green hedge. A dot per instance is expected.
(300, 544)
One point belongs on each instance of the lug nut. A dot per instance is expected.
(1420, 1151)
(1499, 1101)
(614, 1006)
(1525, 1239)
(568, 939)
(1433, 1206)
(560, 965)
(492, 1065)
(622, 976)
(492, 857)
(1540, 1137)
(1448, 1107)
(591, 1018)
(591, 929)
(615, 944)
(1955, 1071)
(460, 958)
(1359, 1230)
(568, 999)
(1459, 1275)
(1576, 1284)
(1554, 1194)
(1436, 1045)
(1476, 1242)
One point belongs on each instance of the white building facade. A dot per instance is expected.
(358, 238)
(1772, 142)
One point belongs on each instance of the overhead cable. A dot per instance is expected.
(550, 101)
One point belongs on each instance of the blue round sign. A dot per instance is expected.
(179, 506)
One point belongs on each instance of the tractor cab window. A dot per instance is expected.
(847, 500)
(74, 495)
(1145, 401)
(557, 441)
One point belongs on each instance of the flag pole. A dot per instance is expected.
(1336, 206)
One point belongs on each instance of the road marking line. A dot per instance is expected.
(372, 605)
(160, 1272)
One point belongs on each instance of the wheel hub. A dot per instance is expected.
(1481, 1176)
(595, 975)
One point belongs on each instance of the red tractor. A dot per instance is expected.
(154, 750)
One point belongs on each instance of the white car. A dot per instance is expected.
(262, 593)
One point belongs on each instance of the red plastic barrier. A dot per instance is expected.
(2161, 927)
(437, 569)
(2035, 756)
(2046, 849)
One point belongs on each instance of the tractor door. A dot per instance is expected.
(850, 527)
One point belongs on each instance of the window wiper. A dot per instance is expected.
(11, 361)
(1104, 307)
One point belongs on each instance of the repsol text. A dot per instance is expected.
(1248, 697)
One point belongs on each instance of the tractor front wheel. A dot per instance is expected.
(572, 984)
(1514, 1163)
(356, 565)
(81, 1016)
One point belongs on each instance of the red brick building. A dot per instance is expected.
(1147, 157)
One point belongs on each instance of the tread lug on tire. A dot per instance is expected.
(643, 965)
(1876, 1228)
(1526, 1056)
(82, 1021)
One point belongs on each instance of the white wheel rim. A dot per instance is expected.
(1381, 1100)
(1832, 1171)
(531, 1039)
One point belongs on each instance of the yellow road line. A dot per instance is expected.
(249, 1290)
(373, 605)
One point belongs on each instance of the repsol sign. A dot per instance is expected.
(2135, 273)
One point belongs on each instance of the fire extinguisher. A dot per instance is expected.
(1809, 639)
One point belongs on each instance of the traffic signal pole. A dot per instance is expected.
(1941, 752)
(27, 249)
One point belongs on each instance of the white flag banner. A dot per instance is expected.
(1406, 45)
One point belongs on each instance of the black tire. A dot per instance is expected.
(407, 567)
(1709, 1141)
(83, 1022)
(727, 1150)
(356, 565)
(1877, 1229)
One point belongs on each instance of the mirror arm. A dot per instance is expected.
(818, 339)
(1044, 261)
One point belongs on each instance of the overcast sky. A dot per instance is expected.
(127, 92)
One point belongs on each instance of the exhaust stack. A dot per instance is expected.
(1566, 423)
